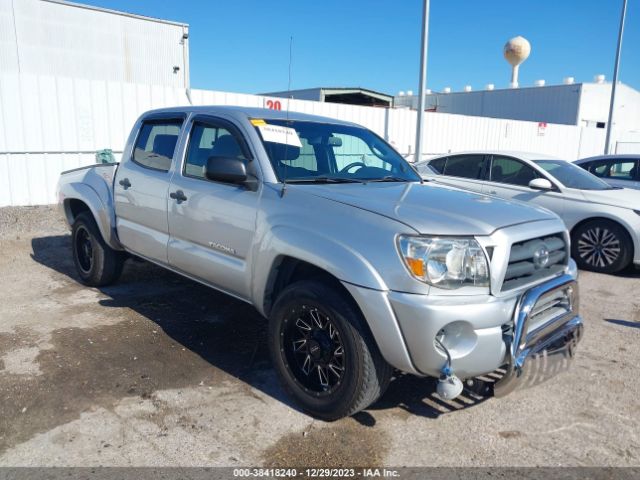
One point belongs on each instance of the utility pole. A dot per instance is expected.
(607, 142)
(423, 79)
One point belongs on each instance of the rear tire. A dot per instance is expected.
(324, 354)
(601, 246)
(97, 264)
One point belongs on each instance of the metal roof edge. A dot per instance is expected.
(332, 89)
(116, 12)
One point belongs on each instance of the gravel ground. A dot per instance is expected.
(160, 371)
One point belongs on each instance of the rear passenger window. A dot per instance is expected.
(209, 141)
(465, 166)
(512, 171)
(438, 164)
(156, 144)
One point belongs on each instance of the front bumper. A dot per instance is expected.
(491, 332)
(539, 352)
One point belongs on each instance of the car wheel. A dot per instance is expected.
(323, 352)
(97, 264)
(601, 246)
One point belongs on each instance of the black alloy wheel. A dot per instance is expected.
(97, 264)
(313, 349)
(83, 249)
(323, 350)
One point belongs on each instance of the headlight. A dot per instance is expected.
(445, 262)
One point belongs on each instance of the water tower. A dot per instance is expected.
(516, 51)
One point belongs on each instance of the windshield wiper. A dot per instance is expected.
(386, 178)
(323, 179)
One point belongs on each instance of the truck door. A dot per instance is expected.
(141, 188)
(212, 224)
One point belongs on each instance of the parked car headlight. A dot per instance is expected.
(442, 262)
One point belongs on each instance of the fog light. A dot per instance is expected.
(458, 337)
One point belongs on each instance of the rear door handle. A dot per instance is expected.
(492, 192)
(125, 183)
(178, 195)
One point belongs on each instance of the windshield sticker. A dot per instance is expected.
(278, 134)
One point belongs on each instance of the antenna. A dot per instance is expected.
(284, 180)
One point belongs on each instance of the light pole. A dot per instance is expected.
(423, 79)
(607, 142)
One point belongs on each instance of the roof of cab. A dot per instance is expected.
(249, 112)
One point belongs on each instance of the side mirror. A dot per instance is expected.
(540, 184)
(226, 170)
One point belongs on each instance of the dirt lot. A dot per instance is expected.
(158, 370)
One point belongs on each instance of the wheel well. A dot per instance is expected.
(73, 208)
(288, 270)
(605, 219)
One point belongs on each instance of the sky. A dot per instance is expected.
(243, 45)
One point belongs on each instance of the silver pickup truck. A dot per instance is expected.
(359, 265)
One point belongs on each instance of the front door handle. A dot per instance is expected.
(125, 183)
(178, 195)
(492, 192)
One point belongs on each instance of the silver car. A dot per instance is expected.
(604, 221)
(616, 170)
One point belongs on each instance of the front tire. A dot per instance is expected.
(601, 246)
(97, 264)
(323, 352)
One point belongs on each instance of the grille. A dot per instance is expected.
(534, 260)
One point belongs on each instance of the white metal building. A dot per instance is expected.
(580, 104)
(59, 38)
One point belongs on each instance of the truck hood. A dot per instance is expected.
(616, 197)
(430, 208)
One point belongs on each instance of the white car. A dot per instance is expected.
(604, 221)
(616, 170)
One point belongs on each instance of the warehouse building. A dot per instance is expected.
(60, 38)
(579, 104)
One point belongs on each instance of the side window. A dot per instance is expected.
(209, 141)
(511, 171)
(600, 169)
(156, 144)
(465, 166)
(438, 164)
(623, 170)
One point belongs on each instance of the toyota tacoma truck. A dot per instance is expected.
(360, 267)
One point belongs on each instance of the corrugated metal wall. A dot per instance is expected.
(45, 37)
(552, 104)
(51, 124)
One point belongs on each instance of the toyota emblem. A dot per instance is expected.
(541, 257)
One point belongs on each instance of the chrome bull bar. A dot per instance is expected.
(538, 350)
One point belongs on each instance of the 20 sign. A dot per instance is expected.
(272, 104)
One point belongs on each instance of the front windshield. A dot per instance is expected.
(313, 152)
(572, 176)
